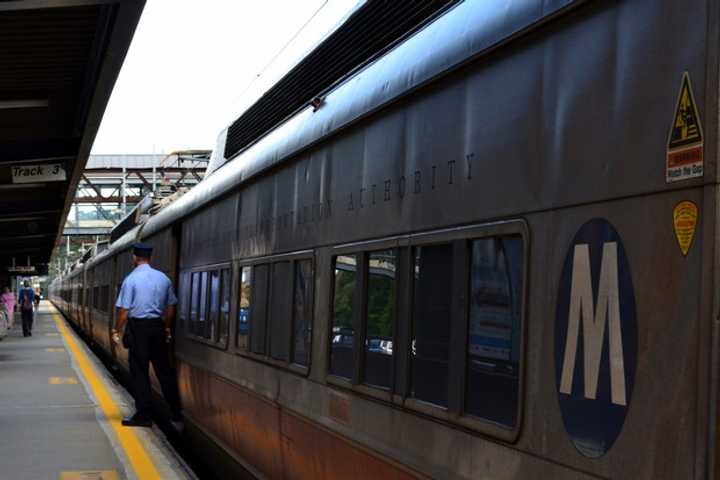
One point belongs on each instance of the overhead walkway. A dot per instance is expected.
(60, 413)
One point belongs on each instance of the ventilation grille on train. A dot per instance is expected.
(366, 34)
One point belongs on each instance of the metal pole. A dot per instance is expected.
(154, 180)
(67, 250)
(123, 187)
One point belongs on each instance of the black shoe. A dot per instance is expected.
(136, 421)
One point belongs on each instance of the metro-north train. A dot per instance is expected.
(485, 249)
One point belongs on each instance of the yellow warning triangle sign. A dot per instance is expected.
(686, 128)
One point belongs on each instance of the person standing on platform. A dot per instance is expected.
(26, 298)
(4, 325)
(8, 301)
(146, 309)
(38, 296)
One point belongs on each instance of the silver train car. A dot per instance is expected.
(489, 252)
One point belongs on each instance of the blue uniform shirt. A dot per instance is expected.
(29, 292)
(146, 293)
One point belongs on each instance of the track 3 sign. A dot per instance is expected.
(595, 338)
(38, 173)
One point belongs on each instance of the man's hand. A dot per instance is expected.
(168, 334)
(116, 337)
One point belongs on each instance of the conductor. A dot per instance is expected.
(146, 308)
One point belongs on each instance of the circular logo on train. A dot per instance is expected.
(595, 338)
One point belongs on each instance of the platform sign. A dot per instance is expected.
(685, 140)
(596, 338)
(24, 269)
(38, 173)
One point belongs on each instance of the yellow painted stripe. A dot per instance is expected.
(62, 381)
(141, 463)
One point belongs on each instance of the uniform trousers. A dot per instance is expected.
(27, 321)
(149, 345)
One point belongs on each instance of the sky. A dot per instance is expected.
(193, 66)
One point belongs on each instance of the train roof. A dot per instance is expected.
(461, 34)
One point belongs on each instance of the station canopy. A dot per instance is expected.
(59, 60)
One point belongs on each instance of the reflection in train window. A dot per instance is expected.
(183, 298)
(105, 298)
(378, 364)
(214, 316)
(493, 355)
(258, 312)
(280, 307)
(343, 333)
(194, 302)
(226, 282)
(202, 305)
(302, 312)
(243, 326)
(430, 346)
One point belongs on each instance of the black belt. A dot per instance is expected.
(150, 319)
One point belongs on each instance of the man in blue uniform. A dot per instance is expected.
(146, 307)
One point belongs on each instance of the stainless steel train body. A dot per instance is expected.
(500, 186)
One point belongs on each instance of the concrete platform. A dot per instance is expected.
(60, 413)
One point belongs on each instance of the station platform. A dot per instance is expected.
(60, 413)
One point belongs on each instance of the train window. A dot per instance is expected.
(302, 312)
(226, 282)
(202, 306)
(194, 295)
(258, 311)
(378, 365)
(183, 298)
(493, 350)
(96, 297)
(243, 326)
(105, 298)
(280, 306)
(214, 314)
(343, 332)
(430, 345)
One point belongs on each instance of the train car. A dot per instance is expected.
(488, 251)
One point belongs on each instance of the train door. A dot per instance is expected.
(82, 298)
(174, 274)
(110, 273)
(89, 282)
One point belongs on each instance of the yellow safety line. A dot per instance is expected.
(129, 440)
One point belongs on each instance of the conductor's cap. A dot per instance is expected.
(142, 250)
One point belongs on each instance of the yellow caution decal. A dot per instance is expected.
(685, 140)
(685, 215)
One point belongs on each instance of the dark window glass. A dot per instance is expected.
(379, 326)
(258, 312)
(194, 296)
(280, 305)
(494, 329)
(430, 344)
(342, 336)
(302, 312)
(105, 298)
(226, 281)
(202, 305)
(184, 298)
(96, 297)
(214, 315)
(243, 327)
